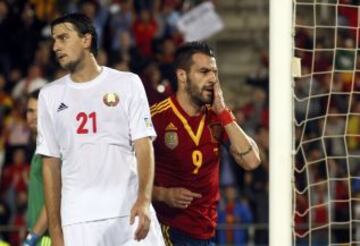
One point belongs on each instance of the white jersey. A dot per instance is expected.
(91, 127)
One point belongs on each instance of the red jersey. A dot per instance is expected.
(187, 155)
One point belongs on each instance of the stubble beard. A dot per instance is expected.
(72, 66)
(195, 94)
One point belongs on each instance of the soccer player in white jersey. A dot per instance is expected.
(95, 135)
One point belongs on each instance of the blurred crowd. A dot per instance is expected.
(134, 35)
(327, 108)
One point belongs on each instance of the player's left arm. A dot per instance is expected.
(145, 164)
(242, 147)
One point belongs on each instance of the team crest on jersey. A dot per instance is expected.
(111, 99)
(171, 137)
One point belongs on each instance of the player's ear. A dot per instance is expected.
(87, 39)
(181, 75)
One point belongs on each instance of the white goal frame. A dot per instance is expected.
(281, 111)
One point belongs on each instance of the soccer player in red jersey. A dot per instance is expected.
(191, 125)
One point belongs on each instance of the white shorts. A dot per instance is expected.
(111, 232)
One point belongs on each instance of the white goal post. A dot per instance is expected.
(315, 122)
(280, 188)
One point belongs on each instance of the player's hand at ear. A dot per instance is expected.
(179, 197)
(141, 210)
(218, 103)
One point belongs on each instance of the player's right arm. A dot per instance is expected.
(176, 197)
(52, 192)
(47, 146)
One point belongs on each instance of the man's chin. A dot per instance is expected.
(207, 103)
(208, 100)
(64, 65)
(68, 66)
(207, 96)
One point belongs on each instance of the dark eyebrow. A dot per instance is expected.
(60, 36)
(206, 69)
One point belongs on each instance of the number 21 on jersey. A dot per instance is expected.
(84, 127)
(197, 159)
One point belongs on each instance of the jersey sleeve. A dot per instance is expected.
(46, 142)
(139, 113)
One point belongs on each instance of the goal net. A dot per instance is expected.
(326, 96)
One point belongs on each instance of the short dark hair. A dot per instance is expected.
(82, 25)
(183, 55)
(34, 94)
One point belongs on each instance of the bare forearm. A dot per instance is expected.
(243, 148)
(52, 189)
(145, 159)
(41, 224)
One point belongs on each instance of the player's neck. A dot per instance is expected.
(87, 70)
(188, 105)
